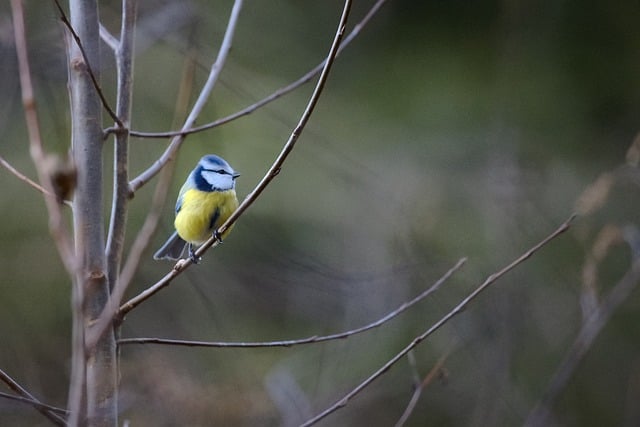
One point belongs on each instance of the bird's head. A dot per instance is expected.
(213, 173)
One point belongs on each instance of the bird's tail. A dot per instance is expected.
(172, 249)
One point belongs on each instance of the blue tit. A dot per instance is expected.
(205, 202)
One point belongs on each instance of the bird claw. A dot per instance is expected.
(192, 255)
(217, 236)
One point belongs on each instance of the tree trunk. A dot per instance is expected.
(100, 373)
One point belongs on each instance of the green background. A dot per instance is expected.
(447, 129)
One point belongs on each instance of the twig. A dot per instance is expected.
(273, 171)
(309, 340)
(28, 180)
(23, 177)
(216, 69)
(583, 342)
(109, 38)
(56, 222)
(35, 404)
(94, 80)
(45, 410)
(456, 310)
(606, 238)
(417, 392)
(275, 95)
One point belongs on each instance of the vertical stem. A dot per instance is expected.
(121, 191)
(92, 291)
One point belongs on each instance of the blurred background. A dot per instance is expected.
(446, 130)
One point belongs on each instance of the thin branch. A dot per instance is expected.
(456, 310)
(45, 410)
(583, 342)
(94, 80)
(273, 171)
(606, 238)
(23, 177)
(121, 190)
(275, 95)
(309, 340)
(28, 180)
(35, 404)
(109, 39)
(56, 223)
(435, 371)
(216, 69)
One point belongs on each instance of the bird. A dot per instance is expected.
(205, 202)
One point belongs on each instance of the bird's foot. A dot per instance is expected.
(192, 255)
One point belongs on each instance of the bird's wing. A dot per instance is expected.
(188, 184)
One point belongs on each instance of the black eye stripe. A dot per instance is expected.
(220, 171)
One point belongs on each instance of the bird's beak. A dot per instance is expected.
(235, 175)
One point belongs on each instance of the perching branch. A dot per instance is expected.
(216, 69)
(455, 311)
(46, 410)
(275, 95)
(309, 340)
(273, 171)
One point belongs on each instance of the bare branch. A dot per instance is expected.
(56, 223)
(45, 410)
(417, 392)
(607, 237)
(121, 191)
(96, 85)
(275, 95)
(36, 404)
(273, 171)
(589, 331)
(109, 38)
(23, 177)
(216, 69)
(456, 310)
(28, 180)
(309, 340)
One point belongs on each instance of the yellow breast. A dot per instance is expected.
(202, 212)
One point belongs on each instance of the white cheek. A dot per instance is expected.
(217, 180)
